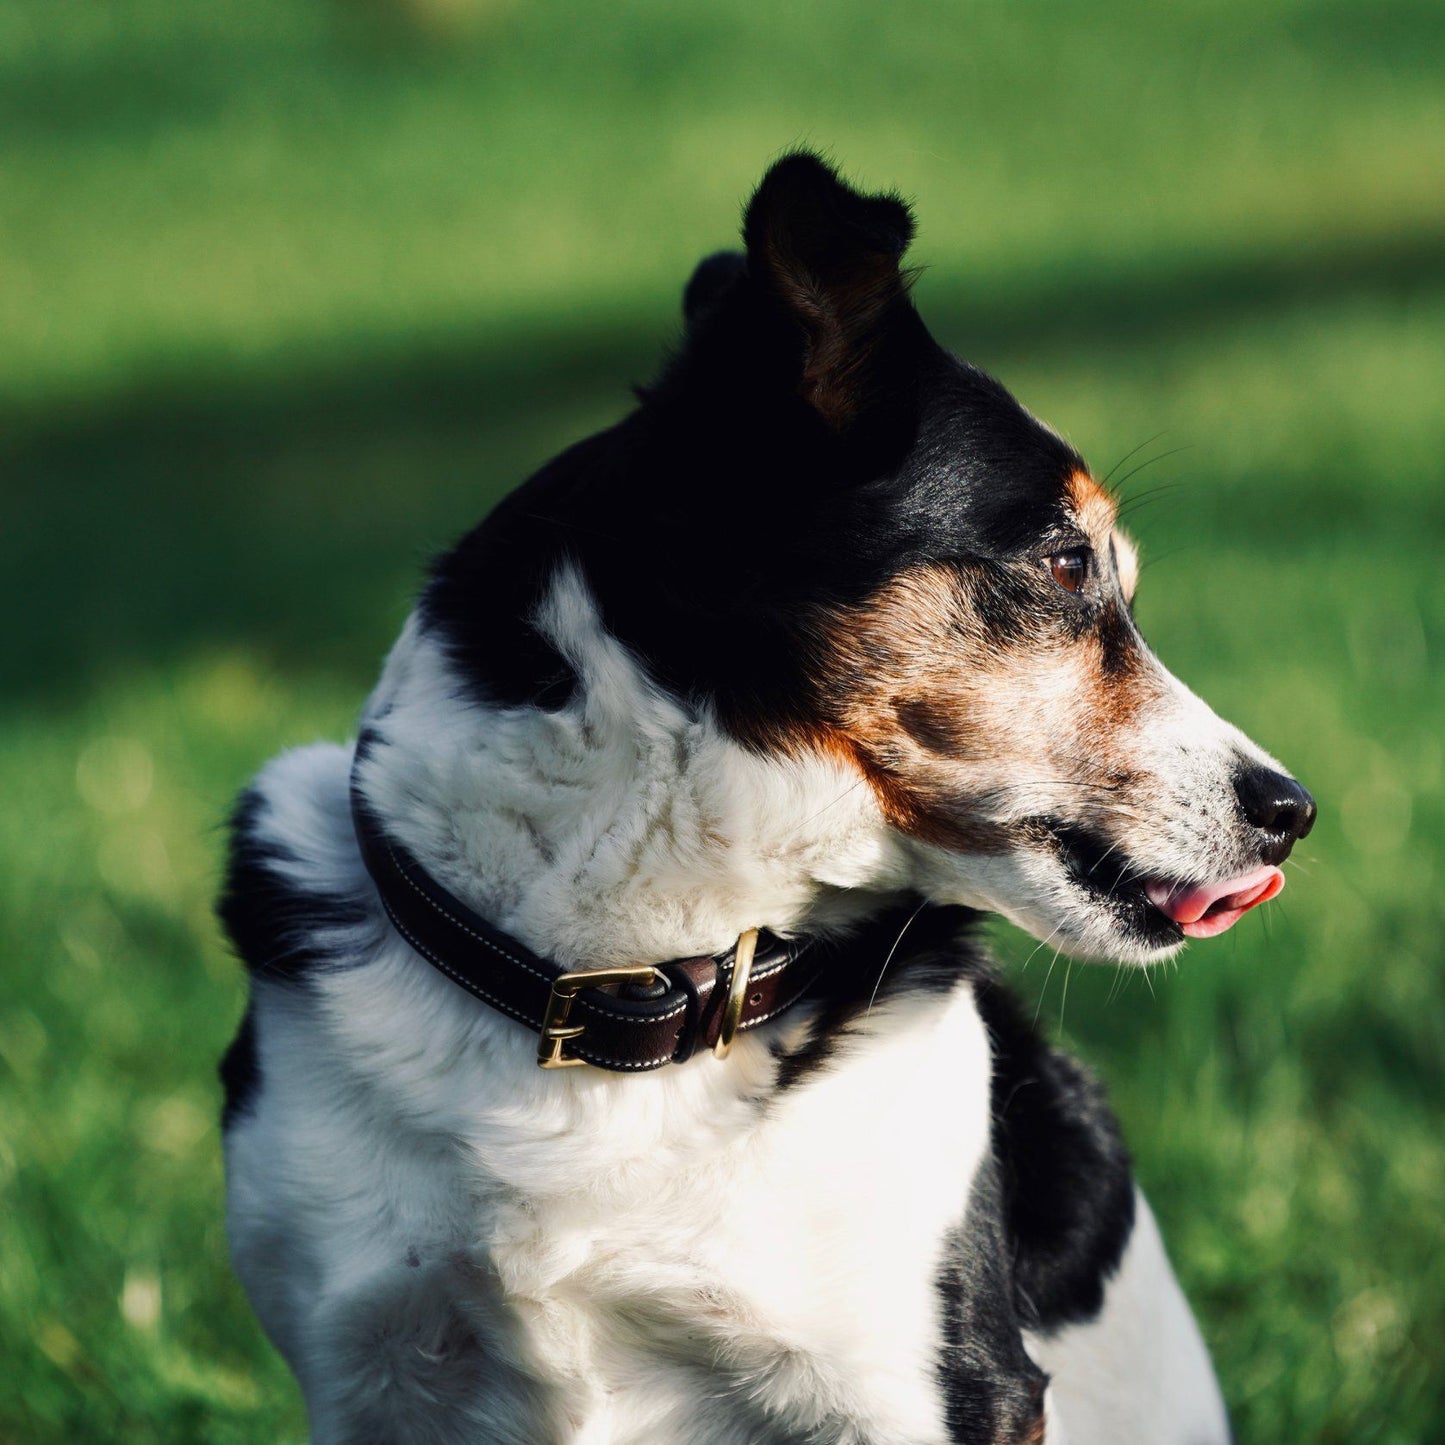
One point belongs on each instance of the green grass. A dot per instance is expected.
(290, 292)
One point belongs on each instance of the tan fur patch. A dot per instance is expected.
(1126, 558)
(961, 732)
(1097, 515)
(1093, 507)
(1035, 1431)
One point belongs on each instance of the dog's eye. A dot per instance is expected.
(1071, 569)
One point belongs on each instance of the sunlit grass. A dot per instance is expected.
(243, 178)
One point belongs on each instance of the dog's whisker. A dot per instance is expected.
(1044, 991)
(1153, 461)
(1133, 508)
(1044, 943)
(1154, 561)
(1116, 988)
(878, 982)
(1159, 489)
(846, 793)
(1132, 452)
(1099, 862)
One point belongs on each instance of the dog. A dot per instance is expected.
(690, 779)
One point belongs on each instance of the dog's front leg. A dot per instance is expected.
(1139, 1371)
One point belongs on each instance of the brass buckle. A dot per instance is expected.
(556, 1031)
(747, 946)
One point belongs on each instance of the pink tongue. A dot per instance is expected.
(1206, 909)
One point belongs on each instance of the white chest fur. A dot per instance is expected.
(635, 1259)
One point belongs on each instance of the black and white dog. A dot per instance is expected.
(828, 638)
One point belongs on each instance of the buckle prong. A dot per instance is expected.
(747, 946)
(556, 1031)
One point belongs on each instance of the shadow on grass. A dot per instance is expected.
(290, 512)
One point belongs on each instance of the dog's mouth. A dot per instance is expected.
(1158, 911)
(1202, 910)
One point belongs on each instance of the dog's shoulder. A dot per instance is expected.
(1050, 1210)
(292, 894)
(1063, 1187)
(292, 867)
(1065, 1176)
(1049, 1218)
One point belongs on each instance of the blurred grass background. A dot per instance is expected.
(291, 291)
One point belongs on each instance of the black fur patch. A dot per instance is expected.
(240, 1072)
(1120, 653)
(993, 1391)
(1067, 1188)
(276, 928)
(715, 520)
(906, 949)
(483, 595)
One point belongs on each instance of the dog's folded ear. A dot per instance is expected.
(714, 278)
(832, 258)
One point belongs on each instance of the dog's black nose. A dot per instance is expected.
(1277, 806)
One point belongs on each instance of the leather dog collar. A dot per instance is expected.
(661, 1013)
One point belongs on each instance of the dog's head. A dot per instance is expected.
(845, 540)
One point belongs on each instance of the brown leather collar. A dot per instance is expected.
(665, 1020)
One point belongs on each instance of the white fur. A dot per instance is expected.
(1145, 1334)
(449, 1244)
(624, 826)
(593, 1252)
